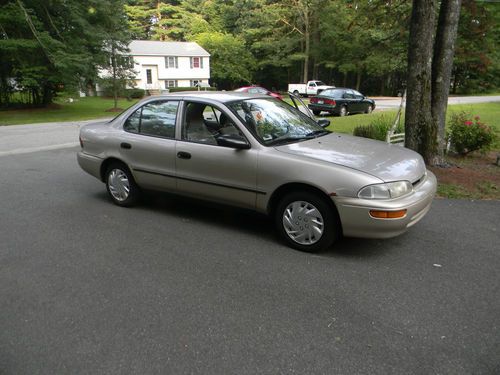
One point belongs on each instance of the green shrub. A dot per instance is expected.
(377, 129)
(468, 134)
(178, 89)
(365, 131)
(134, 93)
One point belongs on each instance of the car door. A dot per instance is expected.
(147, 144)
(311, 88)
(349, 100)
(208, 170)
(359, 105)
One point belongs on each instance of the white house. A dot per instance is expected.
(161, 65)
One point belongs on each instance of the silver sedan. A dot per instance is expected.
(260, 153)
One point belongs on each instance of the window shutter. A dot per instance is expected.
(176, 62)
(191, 61)
(201, 62)
(166, 62)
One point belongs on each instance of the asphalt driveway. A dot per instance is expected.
(176, 286)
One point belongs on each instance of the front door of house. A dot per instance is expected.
(151, 77)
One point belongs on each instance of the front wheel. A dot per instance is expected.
(317, 113)
(306, 222)
(369, 109)
(121, 185)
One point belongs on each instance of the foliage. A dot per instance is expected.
(376, 129)
(468, 133)
(476, 66)
(230, 61)
(134, 93)
(181, 89)
(47, 46)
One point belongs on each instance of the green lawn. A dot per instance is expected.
(488, 112)
(80, 109)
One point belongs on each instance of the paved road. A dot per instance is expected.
(21, 139)
(393, 103)
(179, 287)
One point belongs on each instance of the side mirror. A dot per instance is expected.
(323, 122)
(233, 141)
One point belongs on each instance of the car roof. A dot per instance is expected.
(220, 96)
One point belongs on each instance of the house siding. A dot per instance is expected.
(183, 73)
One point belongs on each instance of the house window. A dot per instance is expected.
(171, 62)
(149, 77)
(170, 83)
(196, 62)
(195, 82)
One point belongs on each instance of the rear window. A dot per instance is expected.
(333, 93)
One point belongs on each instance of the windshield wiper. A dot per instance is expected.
(279, 141)
(317, 133)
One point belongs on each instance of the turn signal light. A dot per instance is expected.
(388, 214)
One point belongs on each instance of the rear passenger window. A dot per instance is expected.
(154, 119)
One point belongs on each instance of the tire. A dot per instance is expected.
(343, 111)
(317, 113)
(322, 221)
(369, 109)
(296, 93)
(121, 186)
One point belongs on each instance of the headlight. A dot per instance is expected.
(386, 191)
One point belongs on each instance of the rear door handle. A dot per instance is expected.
(126, 146)
(183, 155)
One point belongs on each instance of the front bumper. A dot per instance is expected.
(355, 212)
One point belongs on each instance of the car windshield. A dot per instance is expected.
(275, 122)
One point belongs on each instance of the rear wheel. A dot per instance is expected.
(317, 113)
(121, 185)
(343, 111)
(296, 93)
(305, 221)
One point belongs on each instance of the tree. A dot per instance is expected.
(430, 54)
(115, 64)
(230, 60)
(50, 45)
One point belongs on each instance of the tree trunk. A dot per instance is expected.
(444, 50)
(307, 40)
(421, 134)
(115, 83)
(358, 79)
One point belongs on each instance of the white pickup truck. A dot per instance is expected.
(309, 88)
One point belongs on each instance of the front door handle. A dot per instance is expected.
(183, 155)
(126, 146)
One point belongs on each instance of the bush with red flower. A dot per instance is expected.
(468, 133)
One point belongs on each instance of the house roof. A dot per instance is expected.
(158, 48)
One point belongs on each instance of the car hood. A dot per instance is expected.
(384, 161)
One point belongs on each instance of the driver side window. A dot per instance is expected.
(206, 124)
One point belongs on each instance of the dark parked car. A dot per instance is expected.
(341, 101)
